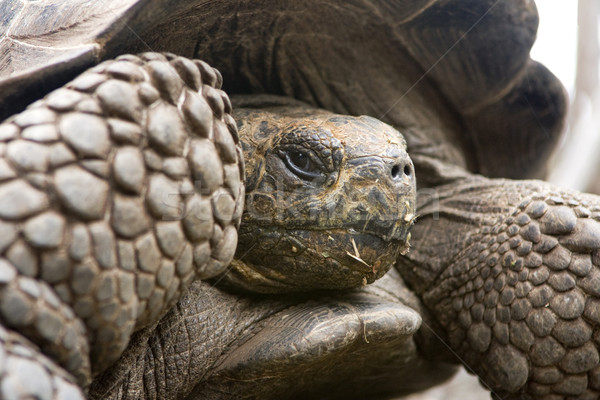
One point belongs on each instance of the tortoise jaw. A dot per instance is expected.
(399, 231)
(375, 252)
(297, 260)
(368, 260)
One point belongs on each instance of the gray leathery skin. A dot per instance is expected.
(112, 194)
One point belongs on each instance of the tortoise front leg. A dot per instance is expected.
(511, 270)
(116, 192)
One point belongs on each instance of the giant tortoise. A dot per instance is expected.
(502, 272)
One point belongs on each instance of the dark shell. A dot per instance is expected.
(453, 75)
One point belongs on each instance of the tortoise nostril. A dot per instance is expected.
(399, 170)
(396, 172)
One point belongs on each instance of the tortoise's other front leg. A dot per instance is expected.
(511, 270)
(218, 345)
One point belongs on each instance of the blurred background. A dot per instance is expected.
(568, 44)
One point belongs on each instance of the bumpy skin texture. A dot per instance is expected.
(518, 295)
(116, 192)
(329, 198)
(25, 373)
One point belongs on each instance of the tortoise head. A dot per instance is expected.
(329, 200)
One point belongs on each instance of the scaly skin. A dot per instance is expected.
(511, 271)
(117, 192)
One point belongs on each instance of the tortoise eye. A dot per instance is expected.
(300, 160)
(300, 164)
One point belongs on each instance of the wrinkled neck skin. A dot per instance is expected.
(329, 200)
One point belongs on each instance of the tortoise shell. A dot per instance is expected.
(454, 76)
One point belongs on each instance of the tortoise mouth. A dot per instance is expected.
(294, 260)
(395, 229)
(365, 252)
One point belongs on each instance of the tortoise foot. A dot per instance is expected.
(218, 345)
